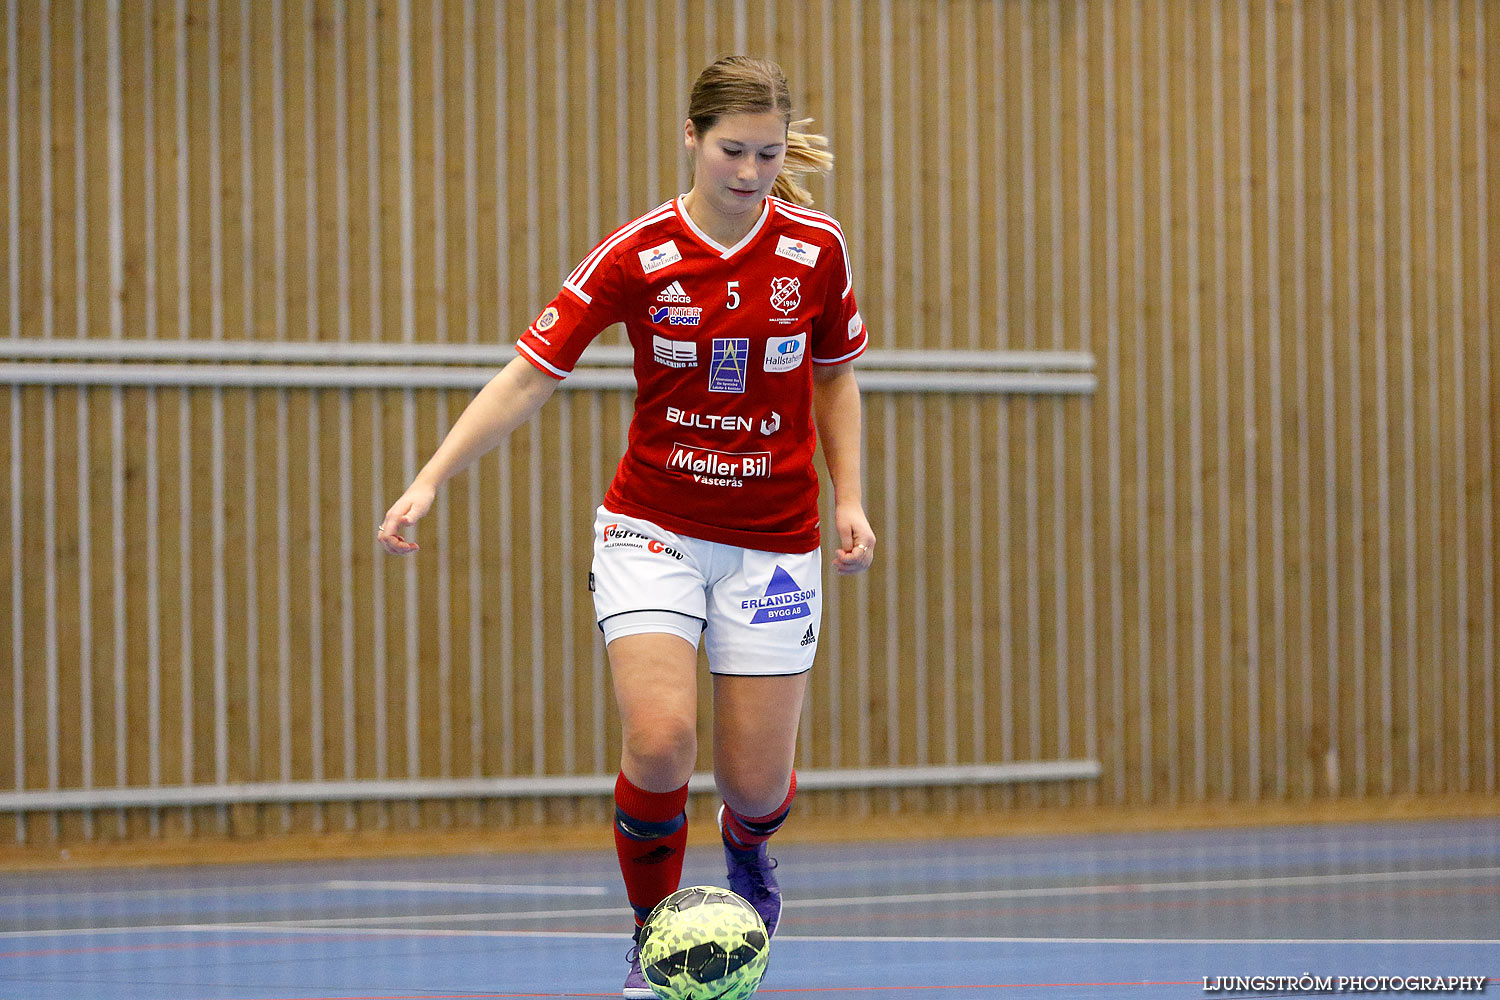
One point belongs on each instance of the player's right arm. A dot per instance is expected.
(548, 351)
(509, 399)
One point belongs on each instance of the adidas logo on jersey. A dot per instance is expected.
(673, 293)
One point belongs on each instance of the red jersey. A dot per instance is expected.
(725, 338)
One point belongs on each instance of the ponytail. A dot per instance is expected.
(806, 153)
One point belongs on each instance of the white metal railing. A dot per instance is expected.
(844, 779)
(254, 364)
(1012, 754)
(599, 355)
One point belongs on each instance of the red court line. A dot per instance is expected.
(967, 986)
(457, 996)
(453, 996)
(785, 990)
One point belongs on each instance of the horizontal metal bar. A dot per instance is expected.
(942, 776)
(510, 788)
(238, 376)
(287, 352)
(1020, 383)
(990, 361)
(495, 355)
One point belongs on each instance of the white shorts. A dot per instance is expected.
(759, 611)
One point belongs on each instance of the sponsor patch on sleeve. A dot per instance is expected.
(856, 324)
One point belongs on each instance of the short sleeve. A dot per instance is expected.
(839, 334)
(556, 338)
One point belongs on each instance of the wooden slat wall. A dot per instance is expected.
(1259, 564)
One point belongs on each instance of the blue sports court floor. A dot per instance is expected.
(1133, 916)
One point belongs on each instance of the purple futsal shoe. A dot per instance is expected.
(636, 987)
(751, 875)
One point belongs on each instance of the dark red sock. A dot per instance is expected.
(650, 835)
(745, 832)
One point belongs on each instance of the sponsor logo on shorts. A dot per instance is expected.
(659, 257)
(809, 637)
(674, 293)
(783, 354)
(618, 536)
(783, 600)
(726, 372)
(676, 315)
(674, 353)
(802, 253)
(719, 468)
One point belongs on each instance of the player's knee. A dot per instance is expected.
(752, 791)
(664, 750)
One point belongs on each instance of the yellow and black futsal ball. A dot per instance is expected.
(704, 943)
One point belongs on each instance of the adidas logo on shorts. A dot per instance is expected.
(673, 293)
(808, 638)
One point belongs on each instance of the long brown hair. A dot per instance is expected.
(739, 85)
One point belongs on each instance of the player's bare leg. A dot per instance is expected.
(755, 743)
(657, 694)
(656, 690)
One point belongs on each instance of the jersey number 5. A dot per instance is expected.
(734, 295)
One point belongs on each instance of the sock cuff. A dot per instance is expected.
(650, 807)
(778, 813)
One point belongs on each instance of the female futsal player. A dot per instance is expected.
(738, 302)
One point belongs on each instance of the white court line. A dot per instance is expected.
(289, 887)
(815, 938)
(1149, 887)
(494, 888)
(799, 904)
(1034, 892)
(196, 890)
(1200, 852)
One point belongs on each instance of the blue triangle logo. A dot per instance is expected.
(781, 583)
(781, 602)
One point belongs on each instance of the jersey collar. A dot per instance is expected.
(724, 252)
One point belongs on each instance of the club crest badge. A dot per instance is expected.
(786, 294)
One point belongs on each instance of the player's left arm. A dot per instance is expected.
(840, 421)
